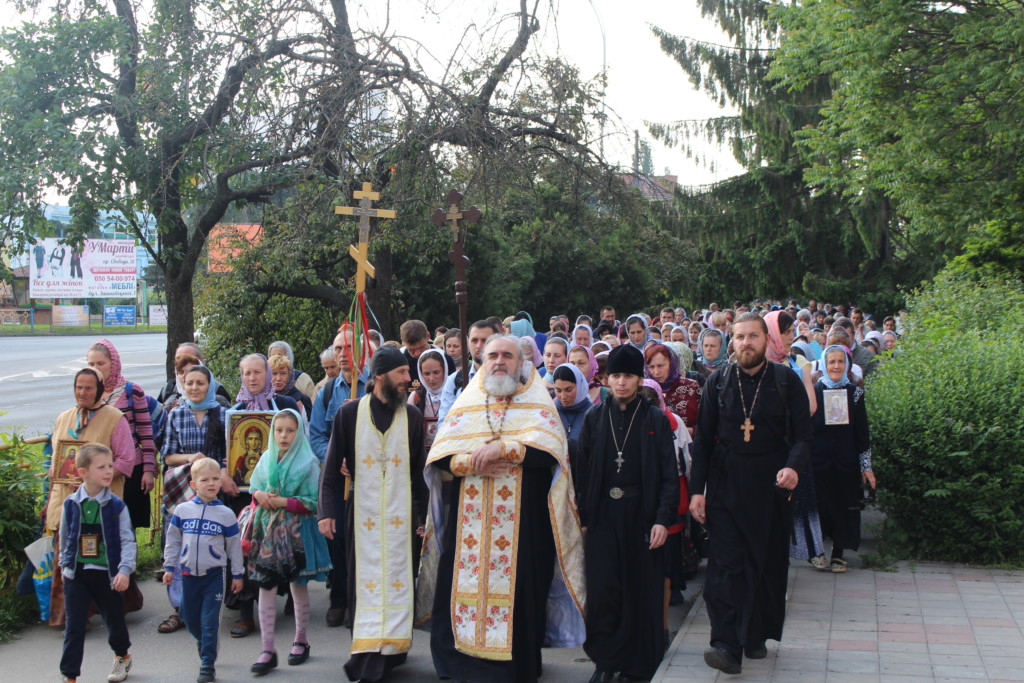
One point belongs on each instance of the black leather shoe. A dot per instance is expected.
(336, 616)
(721, 659)
(602, 677)
(260, 668)
(759, 651)
(296, 659)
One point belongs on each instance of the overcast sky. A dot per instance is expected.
(644, 84)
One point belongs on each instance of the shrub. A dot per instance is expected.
(947, 416)
(20, 492)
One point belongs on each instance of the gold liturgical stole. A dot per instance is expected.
(382, 518)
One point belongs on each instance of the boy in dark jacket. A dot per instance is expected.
(97, 555)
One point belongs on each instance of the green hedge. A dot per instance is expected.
(20, 491)
(947, 416)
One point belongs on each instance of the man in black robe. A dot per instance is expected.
(753, 436)
(388, 394)
(628, 487)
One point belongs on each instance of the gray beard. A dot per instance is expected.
(500, 385)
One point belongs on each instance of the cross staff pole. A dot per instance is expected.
(360, 254)
(453, 215)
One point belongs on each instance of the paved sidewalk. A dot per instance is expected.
(923, 622)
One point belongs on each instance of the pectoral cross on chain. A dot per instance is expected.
(619, 460)
(365, 211)
(747, 427)
(382, 460)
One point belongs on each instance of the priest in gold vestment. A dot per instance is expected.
(511, 531)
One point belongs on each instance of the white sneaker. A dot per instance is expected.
(121, 667)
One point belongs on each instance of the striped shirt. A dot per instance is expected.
(137, 414)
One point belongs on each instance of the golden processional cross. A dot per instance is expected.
(365, 211)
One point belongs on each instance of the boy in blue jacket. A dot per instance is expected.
(97, 555)
(203, 536)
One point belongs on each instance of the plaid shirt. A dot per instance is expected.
(183, 435)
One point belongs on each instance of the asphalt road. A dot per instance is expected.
(36, 374)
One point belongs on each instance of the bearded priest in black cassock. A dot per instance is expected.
(511, 528)
(379, 441)
(628, 496)
(753, 436)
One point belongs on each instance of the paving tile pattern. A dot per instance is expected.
(921, 623)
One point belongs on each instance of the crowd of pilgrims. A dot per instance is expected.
(828, 348)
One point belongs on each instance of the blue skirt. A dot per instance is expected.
(318, 559)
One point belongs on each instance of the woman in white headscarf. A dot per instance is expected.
(433, 373)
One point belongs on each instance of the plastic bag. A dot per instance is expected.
(40, 554)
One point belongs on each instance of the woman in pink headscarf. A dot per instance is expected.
(583, 358)
(780, 341)
(806, 539)
(130, 399)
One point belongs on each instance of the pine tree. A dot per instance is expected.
(767, 232)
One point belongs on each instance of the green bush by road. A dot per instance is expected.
(947, 417)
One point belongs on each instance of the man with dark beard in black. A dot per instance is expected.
(390, 502)
(753, 436)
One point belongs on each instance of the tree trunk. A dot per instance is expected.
(180, 317)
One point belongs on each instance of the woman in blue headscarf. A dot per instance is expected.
(636, 328)
(840, 454)
(713, 349)
(194, 430)
(527, 330)
(571, 399)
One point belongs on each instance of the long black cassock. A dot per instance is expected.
(625, 579)
(535, 566)
(370, 666)
(749, 519)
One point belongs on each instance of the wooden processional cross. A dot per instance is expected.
(454, 214)
(365, 211)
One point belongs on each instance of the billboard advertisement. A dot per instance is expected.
(119, 315)
(98, 269)
(158, 314)
(70, 316)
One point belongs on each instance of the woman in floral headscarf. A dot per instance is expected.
(685, 357)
